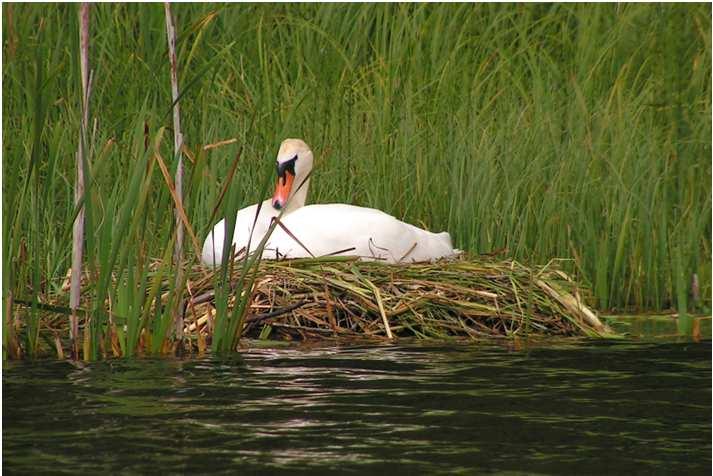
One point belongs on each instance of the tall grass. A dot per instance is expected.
(574, 131)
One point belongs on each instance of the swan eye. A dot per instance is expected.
(286, 166)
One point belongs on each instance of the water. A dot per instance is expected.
(577, 407)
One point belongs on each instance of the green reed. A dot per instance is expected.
(571, 131)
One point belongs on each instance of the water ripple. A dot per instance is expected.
(408, 408)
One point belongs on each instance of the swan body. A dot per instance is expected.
(212, 254)
(341, 229)
(349, 230)
(294, 163)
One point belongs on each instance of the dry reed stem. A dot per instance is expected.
(462, 298)
(220, 143)
(177, 145)
(78, 226)
(339, 298)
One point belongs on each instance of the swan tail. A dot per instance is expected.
(445, 238)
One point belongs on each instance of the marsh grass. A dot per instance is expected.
(572, 131)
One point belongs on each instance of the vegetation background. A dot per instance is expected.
(537, 130)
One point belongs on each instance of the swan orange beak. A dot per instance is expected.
(282, 190)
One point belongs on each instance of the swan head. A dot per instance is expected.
(294, 163)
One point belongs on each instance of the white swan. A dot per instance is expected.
(294, 163)
(318, 230)
(349, 230)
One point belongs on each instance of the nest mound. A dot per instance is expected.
(467, 297)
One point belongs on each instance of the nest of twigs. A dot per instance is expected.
(343, 298)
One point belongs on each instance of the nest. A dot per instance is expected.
(334, 297)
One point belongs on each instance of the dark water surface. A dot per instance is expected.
(572, 408)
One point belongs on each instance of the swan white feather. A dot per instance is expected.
(355, 231)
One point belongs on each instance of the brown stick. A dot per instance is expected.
(275, 313)
(177, 145)
(78, 228)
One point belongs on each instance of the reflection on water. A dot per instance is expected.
(579, 407)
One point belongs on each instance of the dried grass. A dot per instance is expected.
(344, 298)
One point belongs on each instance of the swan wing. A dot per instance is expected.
(365, 232)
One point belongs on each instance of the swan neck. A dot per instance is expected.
(299, 197)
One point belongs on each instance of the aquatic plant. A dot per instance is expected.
(572, 131)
